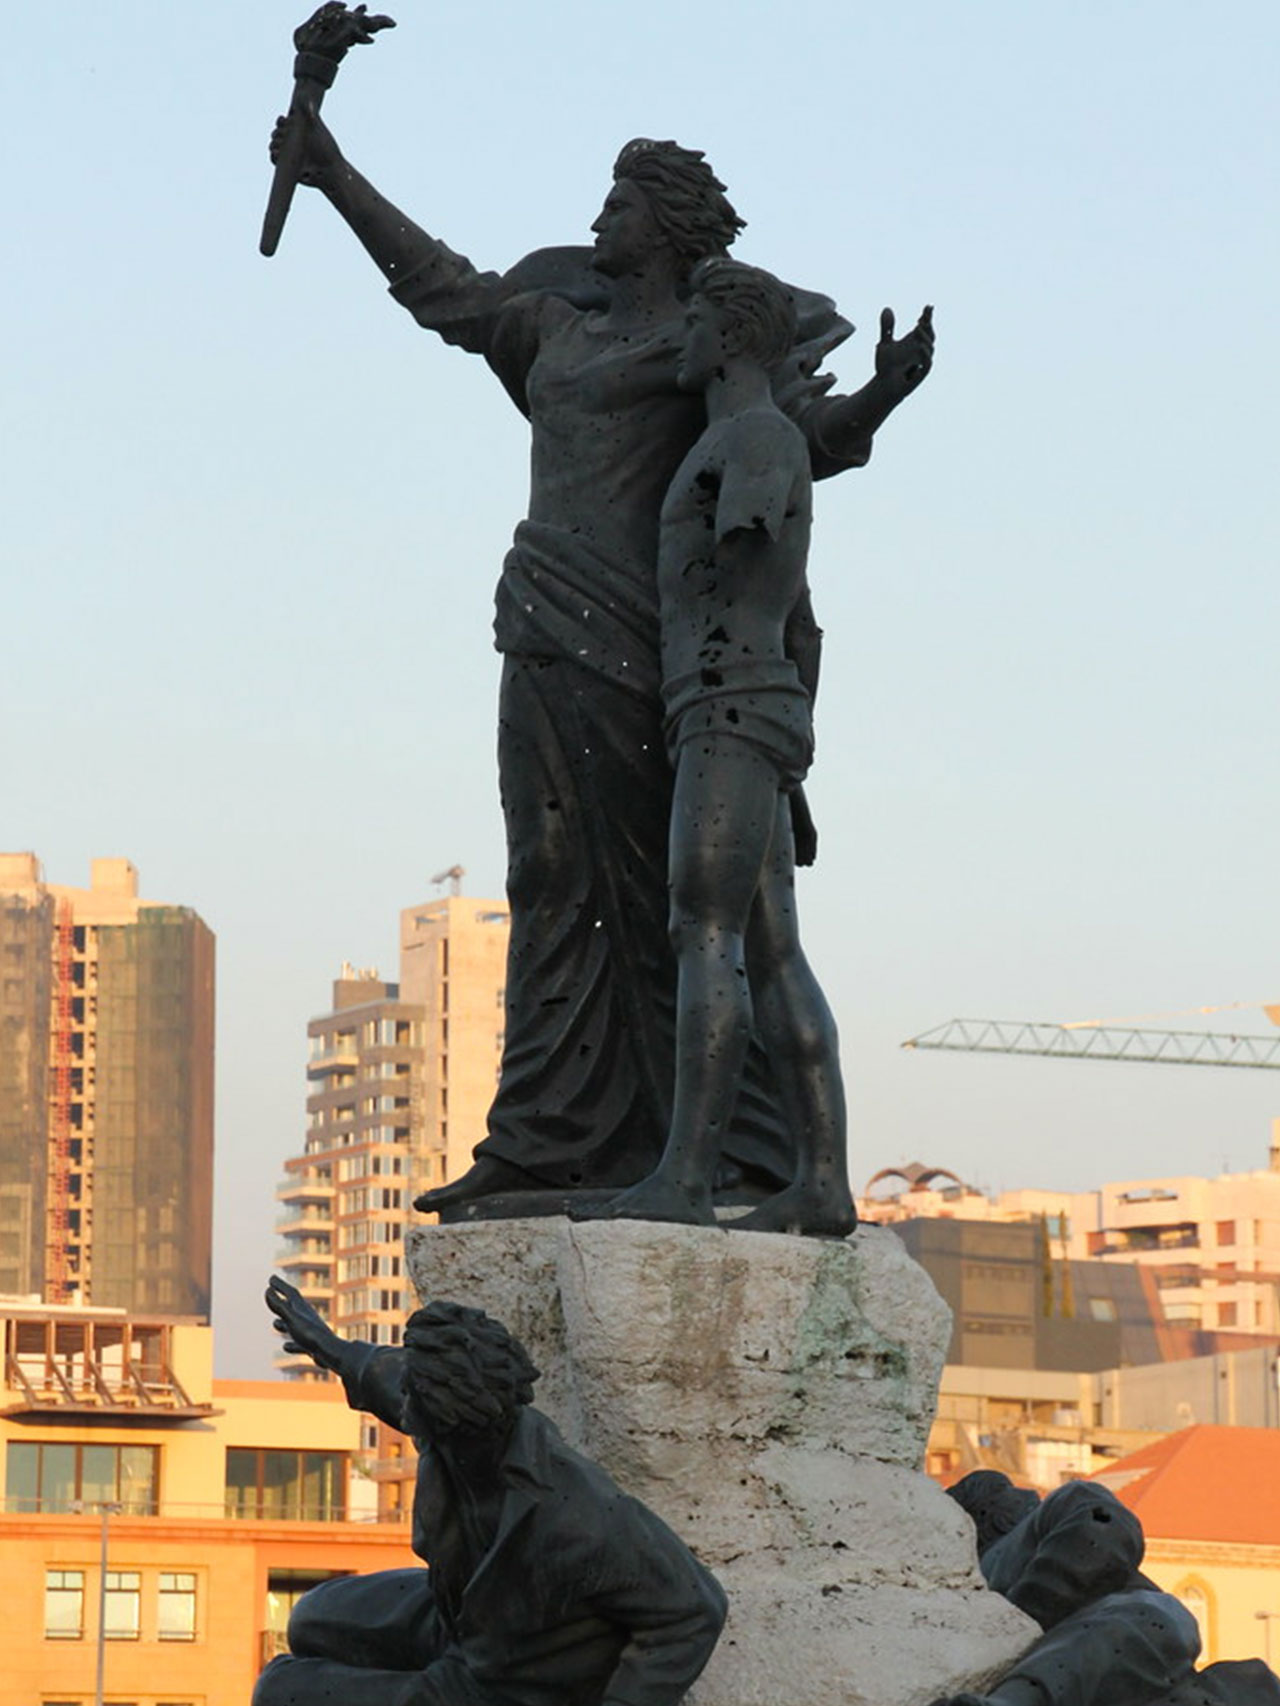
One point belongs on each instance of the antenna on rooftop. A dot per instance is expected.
(453, 876)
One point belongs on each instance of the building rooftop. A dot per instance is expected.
(1204, 1483)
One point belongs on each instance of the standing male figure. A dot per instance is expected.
(547, 1585)
(733, 543)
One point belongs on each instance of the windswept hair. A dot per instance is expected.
(466, 1370)
(758, 309)
(688, 200)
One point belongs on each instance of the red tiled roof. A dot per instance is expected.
(1204, 1483)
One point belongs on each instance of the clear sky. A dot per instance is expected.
(253, 518)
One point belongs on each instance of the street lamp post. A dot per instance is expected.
(106, 1509)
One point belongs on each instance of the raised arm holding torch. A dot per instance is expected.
(321, 44)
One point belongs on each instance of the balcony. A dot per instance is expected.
(310, 1253)
(343, 1057)
(305, 1219)
(303, 1274)
(58, 1367)
(1144, 1240)
(305, 1189)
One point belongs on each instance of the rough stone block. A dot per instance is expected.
(770, 1397)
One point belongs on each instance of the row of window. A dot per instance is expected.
(286, 1486)
(174, 1605)
(373, 1166)
(367, 1300)
(369, 1267)
(374, 1033)
(369, 1232)
(261, 1482)
(47, 1476)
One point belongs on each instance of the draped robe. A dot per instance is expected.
(585, 1089)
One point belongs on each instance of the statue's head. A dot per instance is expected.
(464, 1372)
(993, 1503)
(734, 310)
(679, 195)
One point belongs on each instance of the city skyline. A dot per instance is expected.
(255, 520)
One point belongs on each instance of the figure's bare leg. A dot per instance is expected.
(799, 1036)
(722, 817)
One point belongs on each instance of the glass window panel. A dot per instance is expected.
(121, 1605)
(176, 1610)
(321, 1486)
(242, 1481)
(57, 1477)
(280, 1488)
(22, 1477)
(98, 1474)
(137, 1488)
(63, 1605)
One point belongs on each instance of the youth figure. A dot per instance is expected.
(732, 551)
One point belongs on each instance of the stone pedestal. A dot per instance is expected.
(770, 1397)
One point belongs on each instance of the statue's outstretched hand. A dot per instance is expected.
(904, 362)
(303, 1330)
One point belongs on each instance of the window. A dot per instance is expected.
(42, 1476)
(307, 1486)
(1226, 1232)
(63, 1605)
(121, 1605)
(176, 1606)
(1226, 1315)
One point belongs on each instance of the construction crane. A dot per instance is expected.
(1101, 1039)
(453, 876)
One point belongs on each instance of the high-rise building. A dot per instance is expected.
(106, 1093)
(400, 1078)
(453, 963)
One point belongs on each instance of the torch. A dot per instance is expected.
(321, 44)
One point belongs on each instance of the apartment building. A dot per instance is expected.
(453, 964)
(106, 1093)
(1211, 1246)
(400, 1078)
(158, 1525)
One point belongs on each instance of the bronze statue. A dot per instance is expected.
(1111, 1636)
(586, 344)
(544, 1582)
(733, 543)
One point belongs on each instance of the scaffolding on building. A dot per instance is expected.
(58, 1286)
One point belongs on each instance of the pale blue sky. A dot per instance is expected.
(253, 518)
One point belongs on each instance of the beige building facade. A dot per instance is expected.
(1208, 1498)
(1212, 1245)
(157, 1524)
(400, 1077)
(106, 1092)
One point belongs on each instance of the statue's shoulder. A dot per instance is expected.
(564, 271)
